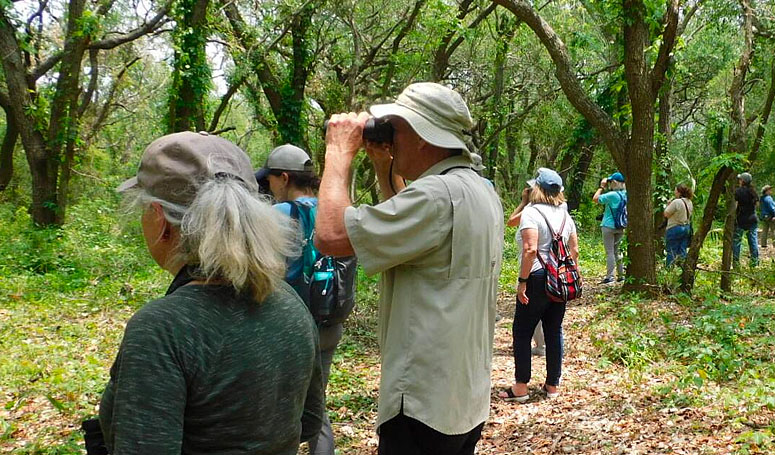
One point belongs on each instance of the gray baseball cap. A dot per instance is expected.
(173, 167)
(286, 157)
(436, 113)
(745, 177)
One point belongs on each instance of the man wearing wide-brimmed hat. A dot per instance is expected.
(438, 243)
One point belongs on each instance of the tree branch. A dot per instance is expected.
(595, 115)
(224, 102)
(666, 48)
(105, 43)
(93, 79)
(148, 27)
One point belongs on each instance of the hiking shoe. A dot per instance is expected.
(607, 280)
(538, 351)
(621, 278)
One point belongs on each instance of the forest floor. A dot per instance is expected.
(604, 407)
(676, 375)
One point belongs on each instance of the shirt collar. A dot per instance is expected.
(443, 165)
(184, 276)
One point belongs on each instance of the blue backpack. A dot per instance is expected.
(620, 214)
(325, 283)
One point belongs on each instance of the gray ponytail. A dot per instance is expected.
(232, 234)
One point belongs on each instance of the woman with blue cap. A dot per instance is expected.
(544, 215)
(612, 226)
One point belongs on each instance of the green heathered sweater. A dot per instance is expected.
(204, 371)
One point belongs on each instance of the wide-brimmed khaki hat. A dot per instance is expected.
(173, 167)
(436, 113)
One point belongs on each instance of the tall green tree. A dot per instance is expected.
(48, 116)
(632, 145)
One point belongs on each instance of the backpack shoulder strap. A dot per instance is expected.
(549, 225)
(304, 215)
(688, 213)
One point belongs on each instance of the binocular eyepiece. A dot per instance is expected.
(375, 130)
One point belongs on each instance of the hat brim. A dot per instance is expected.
(129, 184)
(262, 174)
(531, 182)
(424, 128)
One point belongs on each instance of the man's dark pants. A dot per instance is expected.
(404, 435)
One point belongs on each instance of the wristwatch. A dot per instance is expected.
(522, 280)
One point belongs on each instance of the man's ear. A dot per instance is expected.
(285, 177)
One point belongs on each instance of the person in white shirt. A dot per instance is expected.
(545, 214)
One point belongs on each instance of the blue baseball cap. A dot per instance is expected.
(617, 176)
(549, 180)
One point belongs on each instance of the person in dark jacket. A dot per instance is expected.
(746, 220)
(228, 360)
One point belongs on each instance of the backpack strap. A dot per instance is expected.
(303, 214)
(555, 236)
(688, 213)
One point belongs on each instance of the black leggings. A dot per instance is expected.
(526, 317)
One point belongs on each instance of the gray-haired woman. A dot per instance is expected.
(228, 360)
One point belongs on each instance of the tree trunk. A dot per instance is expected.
(191, 70)
(637, 162)
(692, 258)
(662, 172)
(289, 119)
(737, 142)
(6, 151)
(729, 229)
(496, 107)
(21, 102)
(578, 176)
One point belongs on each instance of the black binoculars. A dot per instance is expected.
(375, 130)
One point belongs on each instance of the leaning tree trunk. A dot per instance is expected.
(6, 151)
(689, 270)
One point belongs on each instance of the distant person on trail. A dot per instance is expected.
(767, 209)
(228, 360)
(746, 220)
(438, 243)
(544, 215)
(290, 176)
(678, 233)
(613, 231)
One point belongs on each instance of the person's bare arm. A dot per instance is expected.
(668, 210)
(573, 245)
(516, 216)
(599, 191)
(381, 159)
(529, 251)
(343, 140)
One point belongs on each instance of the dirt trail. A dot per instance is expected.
(601, 409)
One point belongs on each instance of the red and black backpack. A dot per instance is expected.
(563, 281)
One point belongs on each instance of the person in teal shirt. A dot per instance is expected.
(290, 176)
(612, 236)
